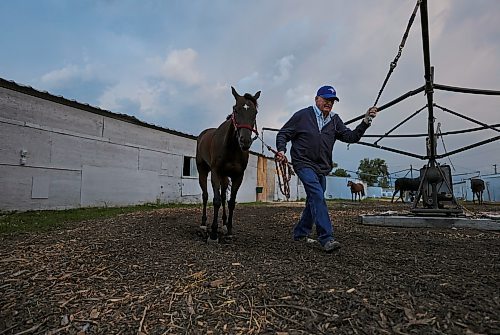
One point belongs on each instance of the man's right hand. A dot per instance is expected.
(280, 157)
(370, 114)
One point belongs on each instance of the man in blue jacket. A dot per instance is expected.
(313, 132)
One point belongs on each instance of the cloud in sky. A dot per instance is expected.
(180, 65)
(170, 63)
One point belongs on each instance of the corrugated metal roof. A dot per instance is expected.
(12, 85)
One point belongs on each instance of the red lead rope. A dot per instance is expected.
(284, 171)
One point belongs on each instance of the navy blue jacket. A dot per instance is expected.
(311, 147)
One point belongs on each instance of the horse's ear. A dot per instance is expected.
(235, 94)
(257, 95)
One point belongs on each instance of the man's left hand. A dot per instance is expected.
(370, 114)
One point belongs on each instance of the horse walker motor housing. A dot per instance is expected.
(444, 186)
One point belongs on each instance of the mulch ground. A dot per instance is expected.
(152, 273)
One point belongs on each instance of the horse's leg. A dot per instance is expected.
(202, 179)
(392, 200)
(224, 185)
(231, 204)
(213, 235)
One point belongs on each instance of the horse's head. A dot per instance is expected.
(244, 118)
(349, 183)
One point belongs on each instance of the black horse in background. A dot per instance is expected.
(223, 152)
(405, 184)
(477, 186)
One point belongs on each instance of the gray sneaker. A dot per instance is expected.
(331, 246)
(305, 239)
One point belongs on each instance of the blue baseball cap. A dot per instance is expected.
(327, 92)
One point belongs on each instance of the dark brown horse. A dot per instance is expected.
(477, 186)
(223, 152)
(357, 190)
(404, 184)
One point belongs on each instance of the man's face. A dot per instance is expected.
(324, 105)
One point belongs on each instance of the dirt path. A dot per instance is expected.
(151, 273)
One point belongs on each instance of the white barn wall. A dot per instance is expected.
(374, 191)
(76, 157)
(62, 189)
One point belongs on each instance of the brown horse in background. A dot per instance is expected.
(223, 152)
(357, 189)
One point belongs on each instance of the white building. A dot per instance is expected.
(57, 153)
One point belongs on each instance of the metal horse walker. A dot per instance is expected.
(432, 174)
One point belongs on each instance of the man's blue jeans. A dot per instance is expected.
(316, 210)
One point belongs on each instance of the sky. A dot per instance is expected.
(172, 63)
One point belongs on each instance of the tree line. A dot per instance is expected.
(370, 171)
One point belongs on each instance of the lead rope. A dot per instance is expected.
(394, 63)
(284, 171)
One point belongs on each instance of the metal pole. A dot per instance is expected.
(428, 75)
(262, 132)
(399, 124)
(390, 103)
(465, 90)
(496, 138)
(429, 91)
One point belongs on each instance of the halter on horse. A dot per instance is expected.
(223, 152)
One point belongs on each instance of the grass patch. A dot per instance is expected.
(39, 221)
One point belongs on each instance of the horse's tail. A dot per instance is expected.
(362, 190)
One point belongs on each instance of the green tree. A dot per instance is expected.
(384, 182)
(341, 173)
(373, 171)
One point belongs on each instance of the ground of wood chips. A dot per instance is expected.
(152, 273)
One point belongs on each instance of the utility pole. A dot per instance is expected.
(495, 167)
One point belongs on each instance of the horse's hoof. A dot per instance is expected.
(210, 241)
(203, 228)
